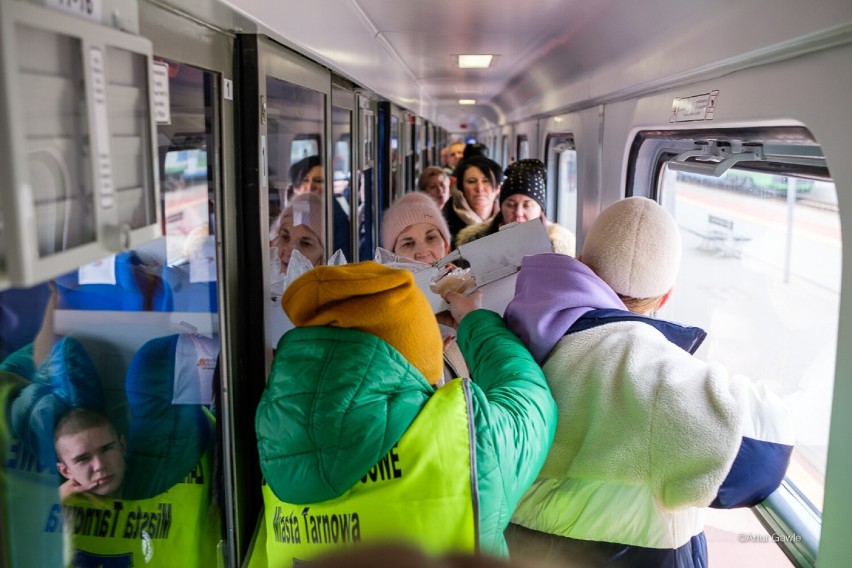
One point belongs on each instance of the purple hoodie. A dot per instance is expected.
(552, 292)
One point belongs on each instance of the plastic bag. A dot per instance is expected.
(388, 258)
(452, 279)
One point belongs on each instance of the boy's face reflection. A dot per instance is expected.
(93, 458)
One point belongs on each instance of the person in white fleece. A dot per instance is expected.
(647, 434)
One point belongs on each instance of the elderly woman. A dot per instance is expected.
(414, 228)
(300, 227)
(522, 198)
(474, 198)
(435, 182)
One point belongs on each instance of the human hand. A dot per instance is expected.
(71, 487)
(461, 305)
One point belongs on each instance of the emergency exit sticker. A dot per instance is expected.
(697, 107)
(162, 110)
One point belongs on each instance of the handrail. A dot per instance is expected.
(793, 523)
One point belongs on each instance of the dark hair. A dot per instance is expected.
(475, 149)
(488, 166)
(301, 168)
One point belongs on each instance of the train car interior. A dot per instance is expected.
(157, 152)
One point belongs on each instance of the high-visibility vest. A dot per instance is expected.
(175, 528)
(424, 492)
(28, 491)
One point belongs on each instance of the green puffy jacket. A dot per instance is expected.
(338, 400)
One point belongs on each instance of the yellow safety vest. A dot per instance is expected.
(28, 490)
(423, 492)
(175, 528)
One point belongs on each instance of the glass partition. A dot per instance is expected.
(108, 374)
(295, 122)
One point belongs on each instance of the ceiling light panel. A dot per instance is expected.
(475, 61)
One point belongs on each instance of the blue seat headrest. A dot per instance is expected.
(66, 379)
(138, 287)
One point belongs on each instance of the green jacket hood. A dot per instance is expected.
(336, 402)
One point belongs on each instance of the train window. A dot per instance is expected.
(523, 147)
(304, 146)
(296, 169)
(562, 167)
(127, 349)
(412, 152)
(367, 189)
(504, 150)
(341, 132)
(761, 274)
(396, 171)
(294, 142)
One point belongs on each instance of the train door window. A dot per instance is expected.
(403, 142)
(344, 207)
(367, 182)
(128, 346)
(417, 133)
(504, 151)
(761, 273)
(396, 170)
(523, 147)
(432, 157)
(295, 126)
(426, 152)
(562, 175)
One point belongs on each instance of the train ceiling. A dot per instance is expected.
(551, 54)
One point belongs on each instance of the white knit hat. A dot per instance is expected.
(634, 246)
(408, 210)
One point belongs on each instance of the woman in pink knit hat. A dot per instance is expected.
(414, 228)
(300, 227)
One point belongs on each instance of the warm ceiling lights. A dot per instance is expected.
(475, 61)
(467, 102)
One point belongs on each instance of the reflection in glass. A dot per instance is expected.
(56, 124)
(341, 134)
(297, 188)
(129, 136)
(132, 338)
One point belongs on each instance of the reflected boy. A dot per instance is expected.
(90, 454)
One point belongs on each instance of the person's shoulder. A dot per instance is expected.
(564, 241)
(473, 232)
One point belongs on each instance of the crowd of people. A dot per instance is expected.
(608, 461)
(575, 429)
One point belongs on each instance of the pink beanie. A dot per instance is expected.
(408, 210)
(634, 246)
(305, 209)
